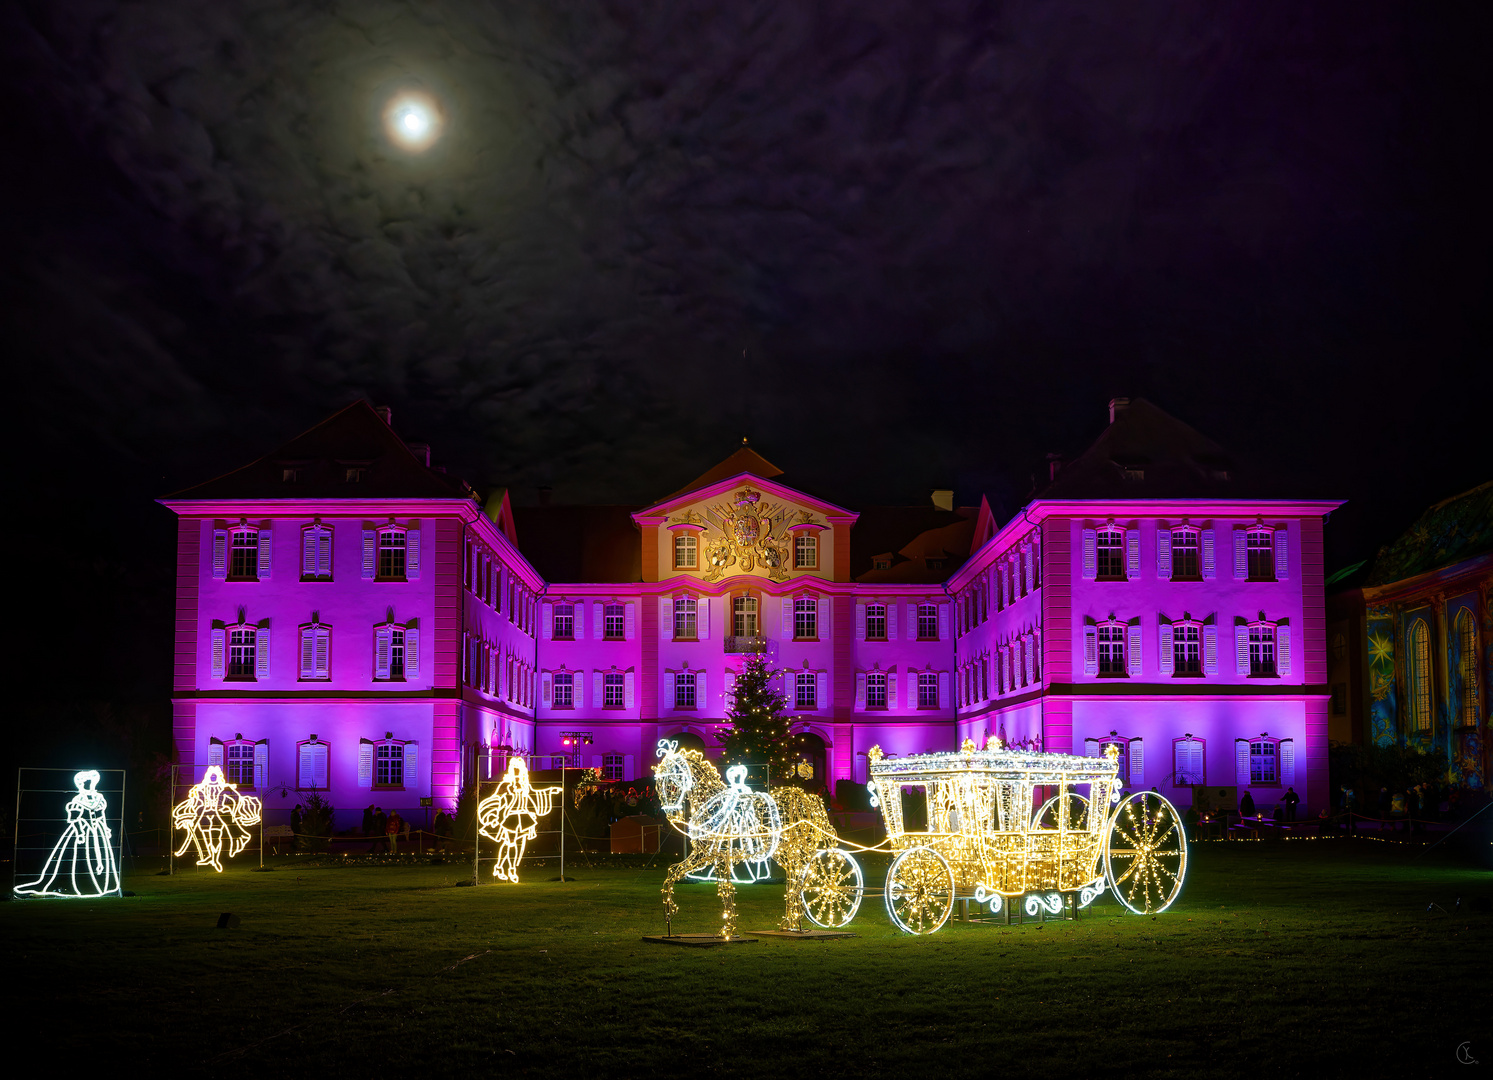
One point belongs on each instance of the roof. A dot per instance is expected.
(1452, 531)
(1146, 453)
(354, 437)
(927, 544)
(581, 544)
(745, 460)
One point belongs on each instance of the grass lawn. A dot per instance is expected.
(1304, 958)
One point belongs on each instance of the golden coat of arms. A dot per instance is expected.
(746, 533)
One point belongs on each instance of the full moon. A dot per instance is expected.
(413, 119)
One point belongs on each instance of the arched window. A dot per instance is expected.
(1467, 669)
(1110, 548)
(1420, 676)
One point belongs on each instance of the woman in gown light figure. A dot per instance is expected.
(82, 863)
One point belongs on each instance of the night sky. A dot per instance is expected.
(901, 246)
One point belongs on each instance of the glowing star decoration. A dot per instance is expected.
(413, 119)
(82, 861)
(510, 817)
(214, 814)
(729, 824)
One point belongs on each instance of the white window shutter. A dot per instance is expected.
(322, 669)
(1031, 569)
(547, 621)
(1288, 762)
(1241, 649)
(1031, 668)
(822, 622)
(598, 623)
(730, 684)
(1281, 542)
(261, 763)
(1210, 650)
(306, 765)
(1090, 555)
(308, 652)
(1136, 757)
(943, 622)
(547, 687)
(629, 620)
(1167, 660)
(1091, 748)
(1134, 652)
(265, 547)
(308, 553)
(220, 553)
(1210, 563)
(821, 690)
(1283, 650)
(412, 554)
(627, 683)
(702, 619)
(1241, 762)
(596, 690)
(324, 567)
(943, 689)
(700, 698)
(411, 764)
(891, 621)
(412, 652)
(1132, 553)
(891, 689)
(381, 639)
(370, 552)
(262, 652)
(860, 689)
(860, 622)
(665, 618)
(1002, 595)
(1164, 554)
(219, 648)
(365, 763)
(215, 753)
(1090, 654)
(1241, 553)
(627, 766)
(671, 692)
(787, 616)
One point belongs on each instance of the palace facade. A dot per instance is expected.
(352, 620)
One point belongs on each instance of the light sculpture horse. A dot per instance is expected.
(728, 823)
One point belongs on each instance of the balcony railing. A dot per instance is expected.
(742, 644)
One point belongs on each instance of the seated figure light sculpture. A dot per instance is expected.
(510, 817)
(214, 814)
(82, 862)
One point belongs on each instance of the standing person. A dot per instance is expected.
(392, 827)
(380, 830)
(368, 821)
(295, 820)
(1246, 805)
(1291, 799)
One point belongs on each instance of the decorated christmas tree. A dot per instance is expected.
(760, 720)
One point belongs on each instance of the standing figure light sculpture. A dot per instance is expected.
(82, 862)
(214, 814)
(510, 817)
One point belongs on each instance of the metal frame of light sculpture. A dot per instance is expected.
(212, 814)
(510, 817)
(85, 843)
(833, 886)
(1153, 856)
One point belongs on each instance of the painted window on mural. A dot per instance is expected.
(1185, 562)
(686, 551)
(564, 622)
(1112, 650)
(1263, 764)
(241, 653)
(875, 622)
(614, 621)
(927, 622)
(805, 618)
(391, 555)
(243, 555)
(240, 761)
(684, 618)
(1467, 664)
(564, 690)
(806, 690)
(1420, 676)
(1187, 649)
(744, 617)
(1261, 650)
(611, 767)
(388, 764)
(1109, 548)
(1188, 762)
(1260, 547)
(805, 551)
(927, 689)
(876, 690)
(612, 690)
(684, 690)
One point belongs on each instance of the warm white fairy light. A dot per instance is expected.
(81, 863)
(510, 816)
(213, 815)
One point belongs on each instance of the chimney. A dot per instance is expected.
(1117, 405)
(385, 414)
(1055, 461)
(943, 499)
(422, 451)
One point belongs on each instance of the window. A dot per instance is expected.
(389, 764)
(684, 618)
(1260, 549)
(1420, 676)
(612, 690)
(1467, 669)
(611, 767)
(311, 765)
(805, 618)
(316, 652)
(243, 555)
(564, 690)
(806, 686)
(684, 690)
(805, 551)
(1109, 546)
(614, 621)
(564, 622)
(1189, 763)
(391, 552)
(686, 551)
(1261, 650)
(875, 622)
(876, 690)
(1186, 565)
(1123, 745)
(240, 761)
(396, 652)
(744, 616)
(241, 653)
(1112, 650)
(927, 622)
(1262, 762)
(316, 553)
(1187, 649)
(354, 474)
(927, 689)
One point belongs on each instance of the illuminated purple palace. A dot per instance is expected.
(352, 620)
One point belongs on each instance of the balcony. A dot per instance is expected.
(746, 644)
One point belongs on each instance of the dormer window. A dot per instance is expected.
(355, 474)
(291, 475)
(806, 551)
(686, 551)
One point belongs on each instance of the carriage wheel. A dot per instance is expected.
(920, 891)
(833, 886)
(1074, 811)
(1145, 853)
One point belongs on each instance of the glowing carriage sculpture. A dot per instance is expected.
(983, 841)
